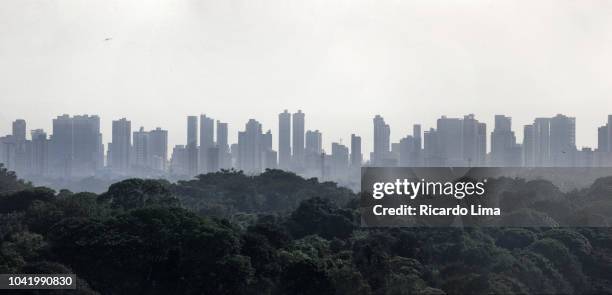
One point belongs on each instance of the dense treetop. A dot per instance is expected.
(277, 233)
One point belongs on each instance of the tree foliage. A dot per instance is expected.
(277, 233)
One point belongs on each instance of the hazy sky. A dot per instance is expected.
(341, 62)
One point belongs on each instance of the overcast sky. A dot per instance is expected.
(341, 62)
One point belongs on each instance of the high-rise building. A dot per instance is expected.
(270, 159)
(158, 149)
(356, 155)
(313, 150)
(60, 155)
(212, 162)
(224, 158)
(481, 144)
(382, 142)
(339, 161)
(432, 151)
(266, 140)
(529, 146)
(602, 139)
(88, 153)
(550, 142)
(7, 152)
(406, 147)
(192, 145)
(76, 146)
(121, 145)
(562, 140)
(21, 147)
(141, 149)
(254, 149)
(416, 133)
(503, 141)
(473, 138)
(456, 142)
(19, 130)
(284, 140)
(298, 140)
(40, 152)
(395, 154)
(314, 144)
(450, 141)
(234, 151)
(541, 142)
(604, 134)
(585, 158)
(207, 141)
(192, 130)
(269, 155)
(179, 162)
(249, 148)
(409, 149)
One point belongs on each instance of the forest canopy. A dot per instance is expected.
(278, 233)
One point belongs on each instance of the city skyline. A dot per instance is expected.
(394, 135)
(75, 148)
(178, 136)
(201, 131)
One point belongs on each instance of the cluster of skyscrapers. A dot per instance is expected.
(462, 142)
(75, 148)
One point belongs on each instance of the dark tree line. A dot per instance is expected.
(277, 233)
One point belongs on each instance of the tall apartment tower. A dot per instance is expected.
(313, 150)
(410, 149)
(158, 149)
(60, 154)
(298, 140)
(339, 161)
(87, 148)
(416, 133)
(192, 145)
(502, 140)
(249, 148)
(604, 135)
(474, 141)
(541, 142)
(382, 141)
(504, 150)
(562, 140)
(179, 160)
(268, 155)
(141, 149)
(207, 141)
(356, 155)
(529, 146)
(450, 140)
(284, 140)
(550, 142)
(314, 142)
(21, 148)
(19, 130)
(223, 146)
(418, 145)
(40, 152)
(120, 145)
(603, 145)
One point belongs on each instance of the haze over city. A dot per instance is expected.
(306, 147)
(341, 62)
